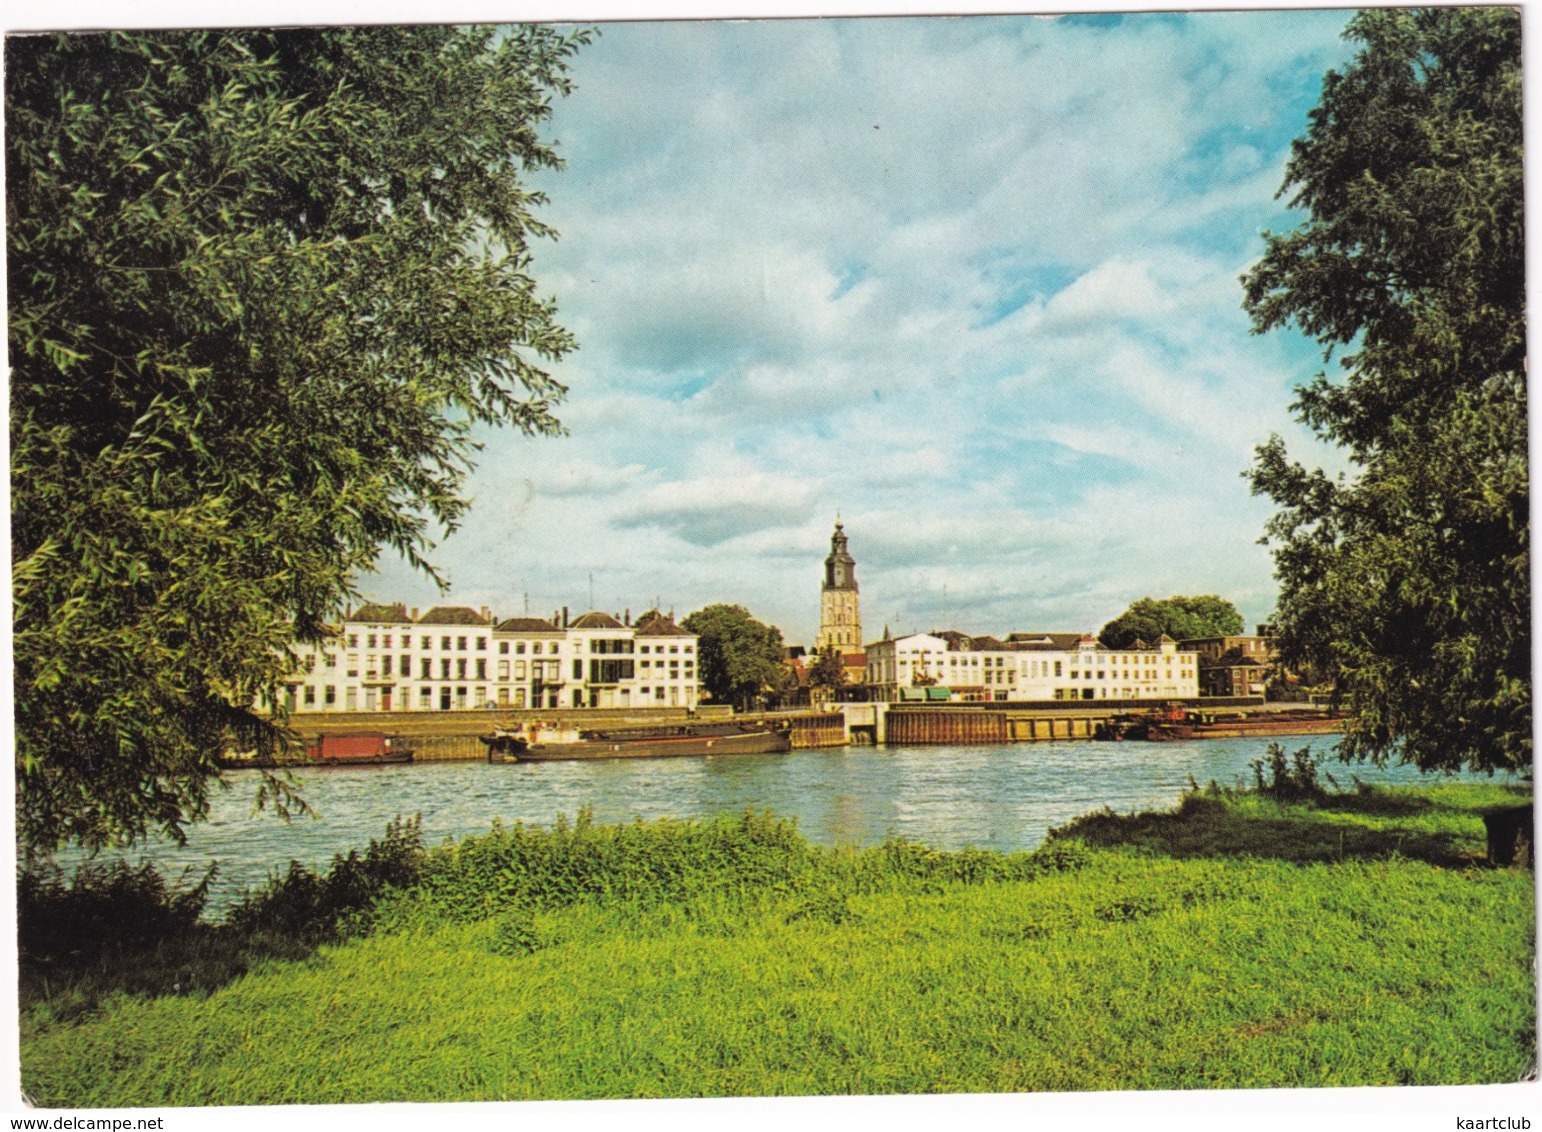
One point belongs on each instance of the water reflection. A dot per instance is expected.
(1004, 797)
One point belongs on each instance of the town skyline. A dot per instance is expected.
(971, 283)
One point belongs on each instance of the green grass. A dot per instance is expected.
(1239, 942)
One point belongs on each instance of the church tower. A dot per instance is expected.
(840, 616)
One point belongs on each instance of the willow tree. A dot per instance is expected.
(1407, 579)
(262, 286)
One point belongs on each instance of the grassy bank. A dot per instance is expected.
(1240, 941)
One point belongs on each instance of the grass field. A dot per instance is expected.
(1239, 941)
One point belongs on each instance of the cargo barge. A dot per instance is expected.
(536, 742)
(1175, 723)
(360, 748)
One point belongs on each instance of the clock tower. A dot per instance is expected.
(840, 616)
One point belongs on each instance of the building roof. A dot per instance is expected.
(453, 615)
(986, 644)
(1056, 642)
(654, 624)
(378, 613)
(527, 625)
(596, 620)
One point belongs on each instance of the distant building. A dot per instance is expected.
(1027, 666)
(385, 658)
(840, 612)
(1234, 666)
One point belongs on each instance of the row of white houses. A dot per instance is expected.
(1028, 666)
(387, 658)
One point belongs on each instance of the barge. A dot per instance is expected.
(359, 748)
(537, 742)
(1174, 723)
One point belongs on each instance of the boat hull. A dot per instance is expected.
(391, 758)
(644, 747)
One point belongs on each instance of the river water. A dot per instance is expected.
(998, 797)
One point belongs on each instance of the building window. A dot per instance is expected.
(503, 648)
(444, 644)
(427, 669)
(371, 641)
(385, 642)
(310, 696)
(428, 642)
(444, 668)
(481, 644)
(425, 698)
(460, 644)
(460, 669)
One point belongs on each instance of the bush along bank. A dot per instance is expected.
(1243, 940)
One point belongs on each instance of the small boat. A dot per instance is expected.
(358, 748)
(540, 742)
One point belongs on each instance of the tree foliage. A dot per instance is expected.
(263, 285)
(739, 656)
(1181, 618)
(828, 670)
(1407, 579)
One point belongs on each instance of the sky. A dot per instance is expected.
(969, 283)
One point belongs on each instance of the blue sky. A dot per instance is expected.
(972, 282)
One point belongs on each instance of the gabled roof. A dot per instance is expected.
(597, 620)
(986, 644)
(453, 615)
(378, 613)
(658, 625)
(527, 625)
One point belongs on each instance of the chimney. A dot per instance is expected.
(486, 616)
(564, 617)
(628, 620)
(414, 613)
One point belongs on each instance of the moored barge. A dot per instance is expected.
(1174, 723)
(360, 748)
(537, 742)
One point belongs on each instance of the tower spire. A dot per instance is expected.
(840, 617)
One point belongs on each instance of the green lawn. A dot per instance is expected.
(1235, 943)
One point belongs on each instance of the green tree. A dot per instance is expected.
(739, 656)
(1181, 618)
(829, 671)
(262, 287)
(1406, 579)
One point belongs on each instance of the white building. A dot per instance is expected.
(1028, 666)
(385, 658)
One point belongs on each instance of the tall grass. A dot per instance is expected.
(1241, 941)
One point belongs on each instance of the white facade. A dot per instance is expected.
(1059, 666)
(383, 658)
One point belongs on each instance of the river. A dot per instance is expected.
(995, 797)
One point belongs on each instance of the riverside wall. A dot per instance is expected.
(440, 736)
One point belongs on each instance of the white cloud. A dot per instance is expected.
(973, 282)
